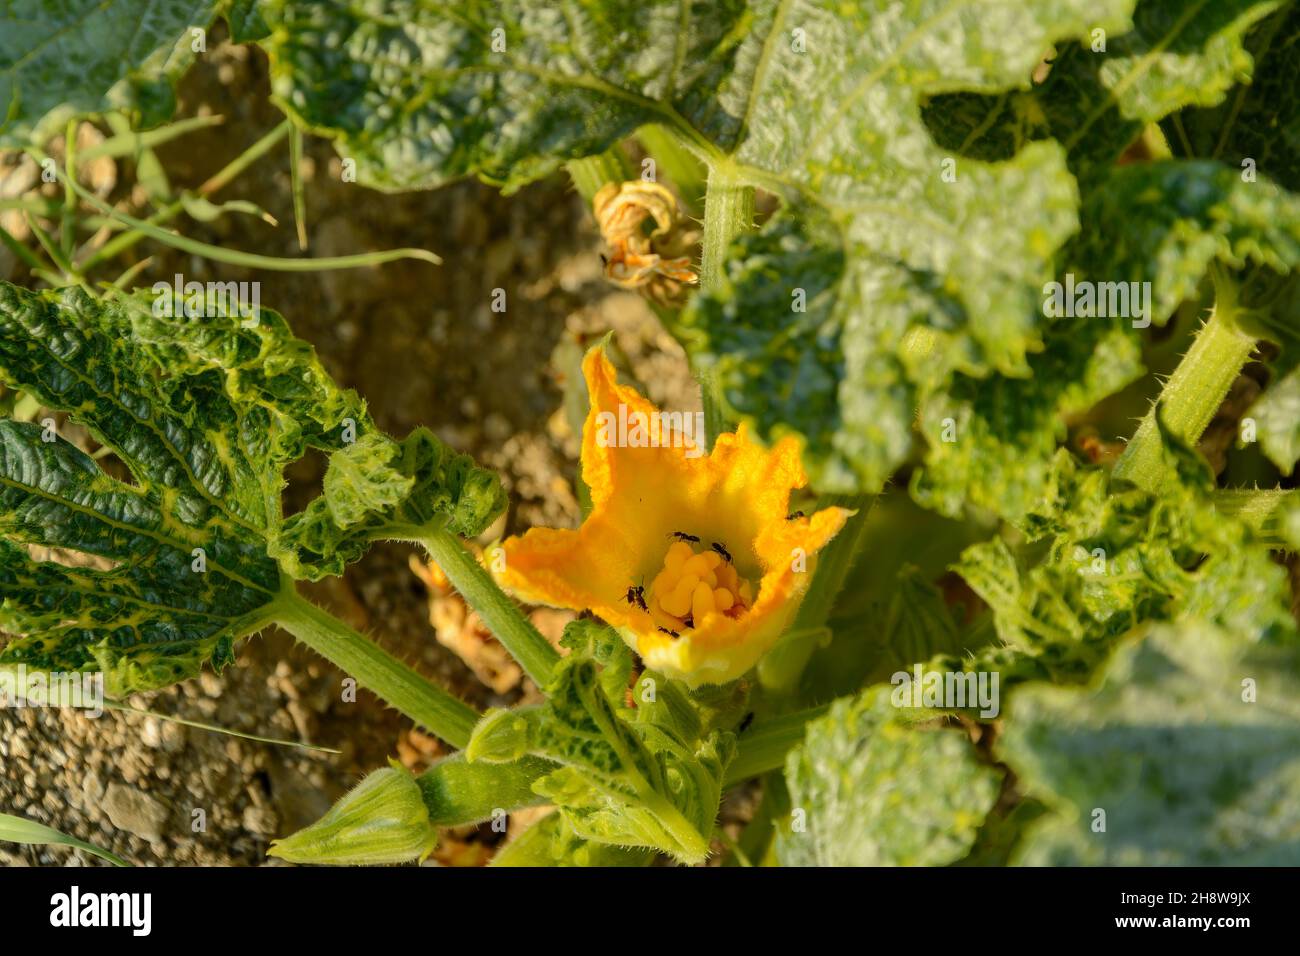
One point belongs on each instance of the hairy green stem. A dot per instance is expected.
(763, 747)
(1194, 392)
(374, 669)
(781, 669)
(502, 616)
(457, 792)
(1257, 508)
(728, 212)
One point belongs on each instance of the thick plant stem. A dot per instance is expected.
(374, 669)
(728, 212)
(503, 617)
(781, 669)
(1194, 392)
(764, 746)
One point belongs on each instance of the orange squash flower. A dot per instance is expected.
(693, 558)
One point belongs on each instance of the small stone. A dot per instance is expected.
(211, 683)
(135, 812)
(261, 821)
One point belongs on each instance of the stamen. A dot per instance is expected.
(695, 584)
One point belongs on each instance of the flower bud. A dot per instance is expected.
(382, 821)
(499, 737)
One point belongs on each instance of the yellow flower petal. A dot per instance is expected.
(643, 492)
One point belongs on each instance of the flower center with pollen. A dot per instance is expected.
(694, 584)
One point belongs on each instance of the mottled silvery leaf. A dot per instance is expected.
(1186, 752)
(631, 776)
(1151, 232)
(878, 785)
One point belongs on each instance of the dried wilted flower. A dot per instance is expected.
(656, 263)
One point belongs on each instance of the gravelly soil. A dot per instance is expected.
(423, 346)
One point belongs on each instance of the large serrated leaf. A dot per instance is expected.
(818, 101)
(59, 60)
(878, 787)
(1258, 121)
(1188, 743)
(204, 414)
(149, 576)
(1101, 91)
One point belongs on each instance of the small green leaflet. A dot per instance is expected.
(1189, 743)
(173, 562)
(880, 785)
(59, 60)
(552, 842)
(375, 485)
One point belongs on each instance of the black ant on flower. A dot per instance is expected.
(670, 633)
(683, 536)
(636, 595)
(726, 555)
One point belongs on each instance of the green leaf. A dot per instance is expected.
(1259, 120)
(1005, 431)
(375, 488)
(1187, 767)
(59, 60)
(1275, 304)
(1167, 222)
(602, 644)
(1108, 557)
(1097, 101)
(991, 440)
(818, 102)
(246, 21)
(204, 414)
(21, 830)
(884, 786)
(626, 777)
(551, 841)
